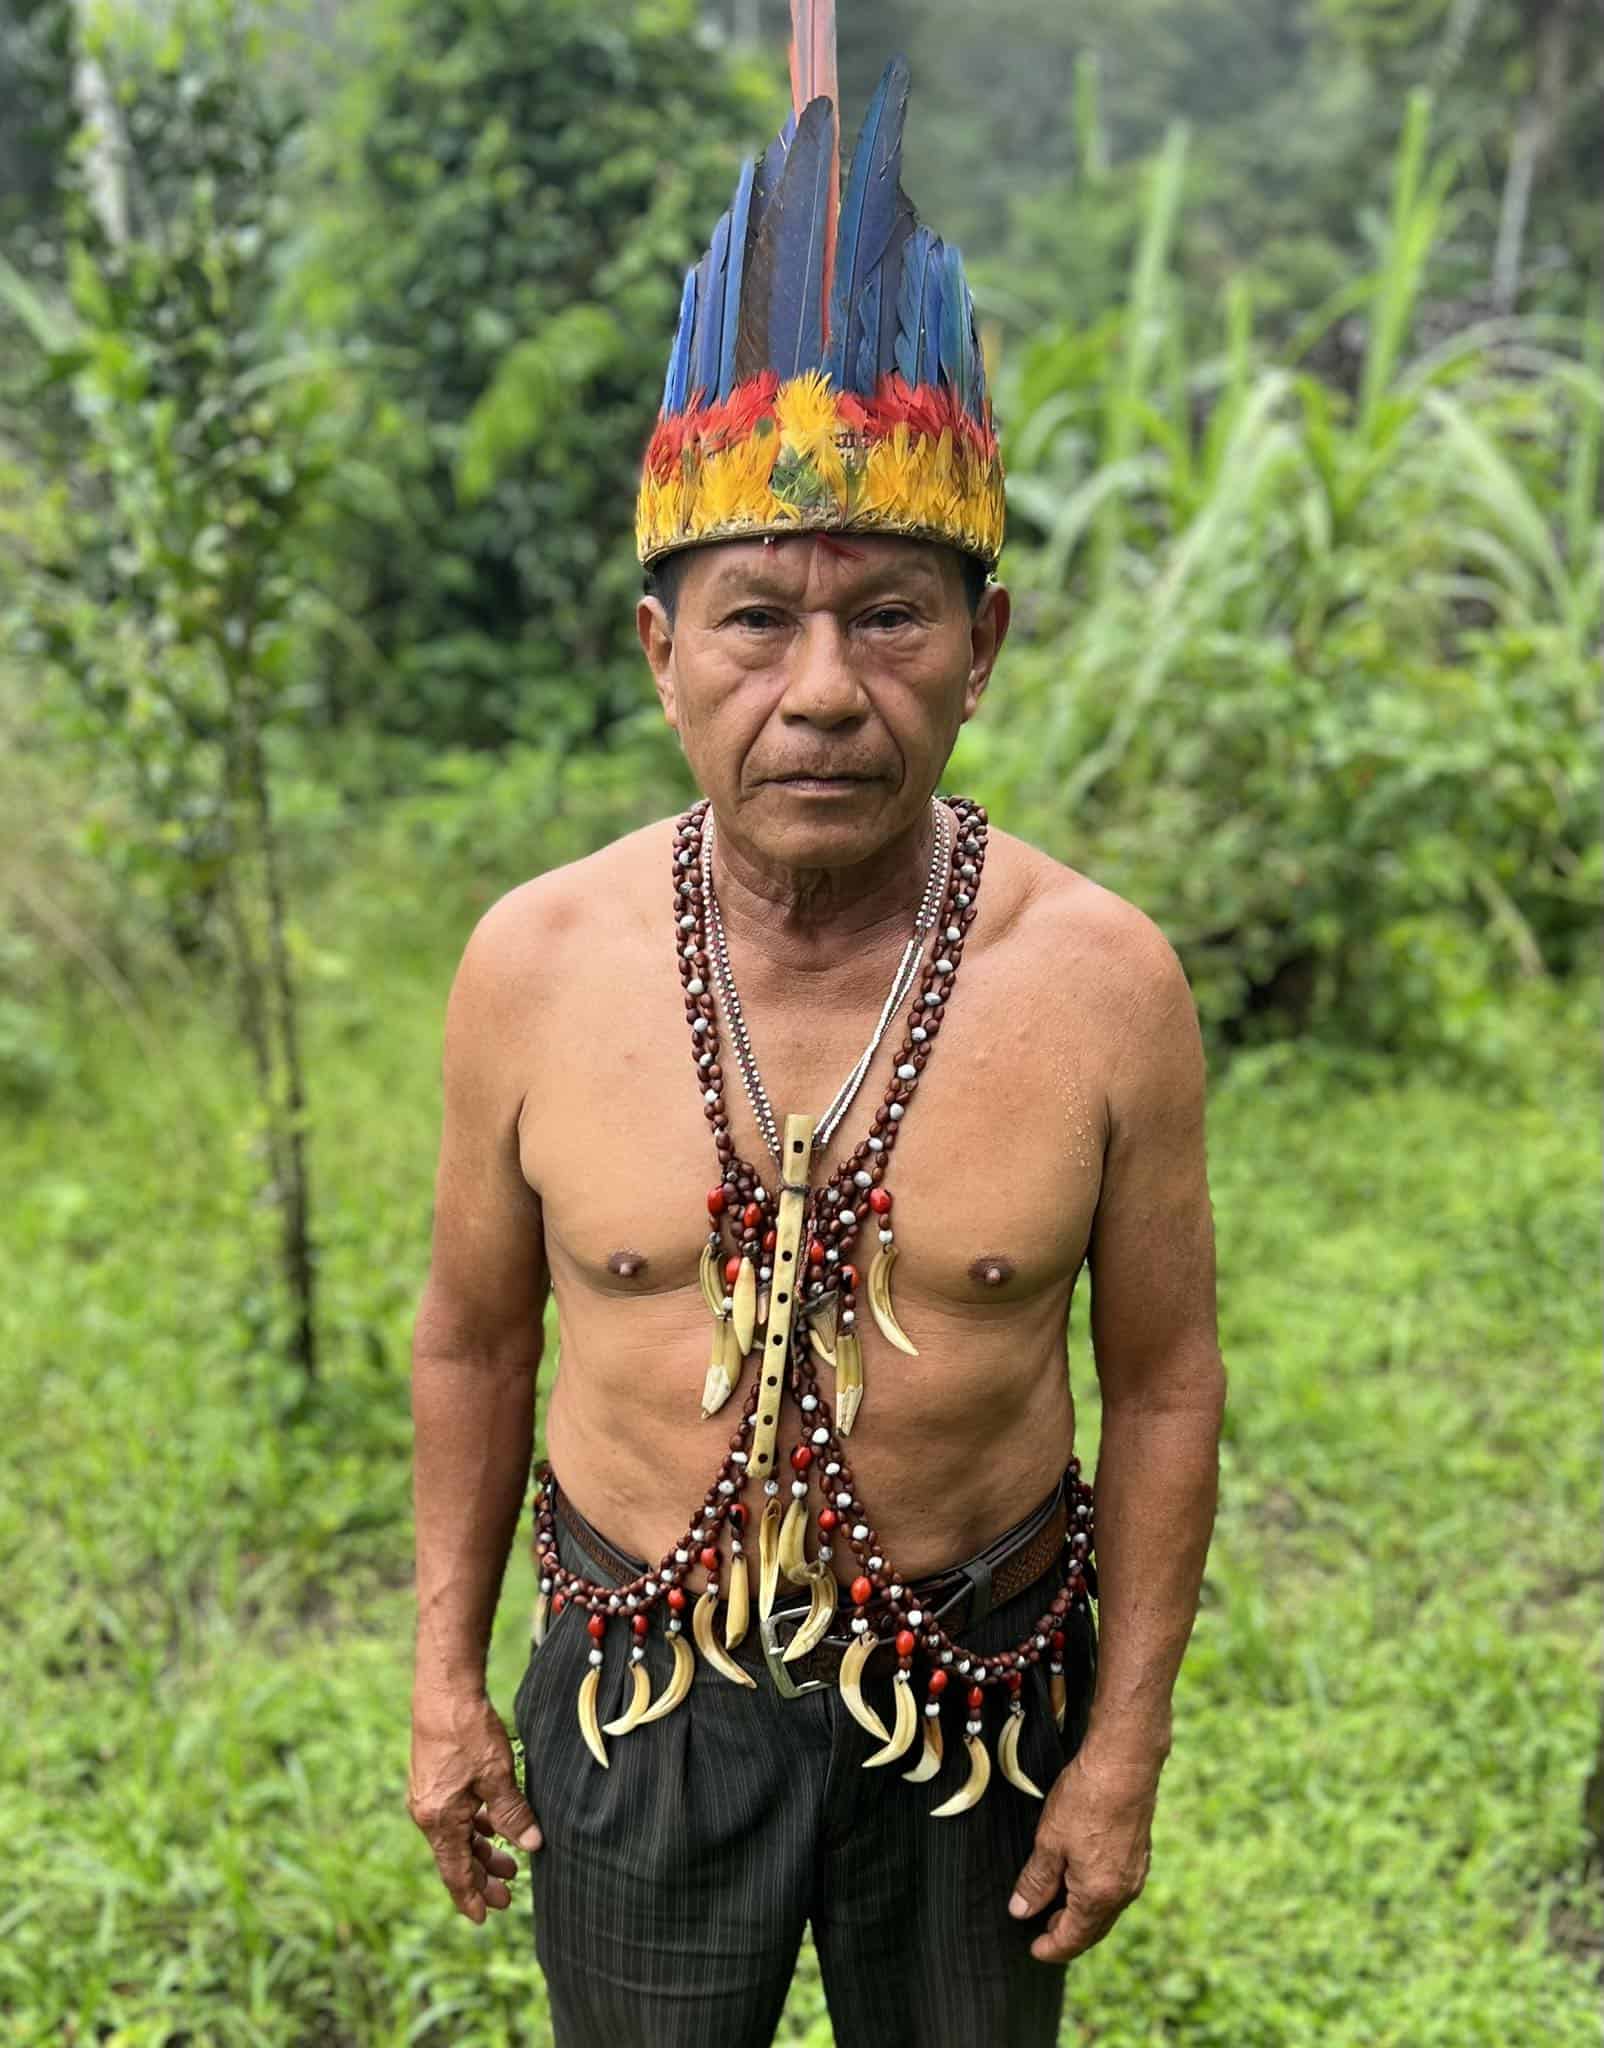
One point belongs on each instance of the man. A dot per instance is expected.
(819, 624)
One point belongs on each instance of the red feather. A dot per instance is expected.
(814, 76)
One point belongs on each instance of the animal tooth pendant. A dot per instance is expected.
(848, 1380)
(907, 1726)
(768, 1558)
(1058, 1692)
(640, 1693)
(1008, 1753)
(707, 1273)
(822, 1598)
(793, 1557)
(589, 1685)
(819, 1348)
(679, 1683)
(540, 1619)
(737, 1607)
(745, 1311)
(972, 1790)
(880, 1300)
(710, 1646)
(723, 1368)
(851, 1680)
(930, 1759)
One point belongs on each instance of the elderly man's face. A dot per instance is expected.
(855, 658)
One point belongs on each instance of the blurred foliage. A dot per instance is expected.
(1312, 677)
(502, 204)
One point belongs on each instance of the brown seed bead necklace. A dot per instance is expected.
(829, 1218)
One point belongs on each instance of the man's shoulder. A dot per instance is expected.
(604, 892)
(1068, 919)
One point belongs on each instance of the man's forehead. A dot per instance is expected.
(848, 561)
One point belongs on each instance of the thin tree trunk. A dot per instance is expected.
(1539, 124)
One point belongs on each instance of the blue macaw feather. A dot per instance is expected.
(710, 326)
(868, 211)
(930, 315)
(676, 383)
(700, 278)
(890, 274)
(796, 252)
(958, 332)
(770, 169)
(865, 357)
(911, 302)
(734, 277)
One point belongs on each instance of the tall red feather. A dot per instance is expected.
(814, 76)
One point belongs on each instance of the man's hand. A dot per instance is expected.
(1092, 1851)
(462, 1791)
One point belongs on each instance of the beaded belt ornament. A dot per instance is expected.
(789, 1289)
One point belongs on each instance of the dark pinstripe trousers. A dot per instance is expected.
(671, 1895)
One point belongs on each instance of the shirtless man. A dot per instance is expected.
(820, 510)
(1060, 1126)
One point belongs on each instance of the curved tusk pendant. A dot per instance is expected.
(1058, 1692)
(930, 1762)
(723, 1369)
(822, 1596)
(710, 1646)
(678, 1686)
(851, 1681)
(738, 1606)
(880, 1300)
(745, 1311)
(906, 1729)
(971, 1791)
(1008, 1755)
(793, 1532)
(712, 1292)
(848, 1381)
(588, 1687)
(640, 1693)
(539, 1619)
(768, 1558)
(762, 1307)
(820, 1349)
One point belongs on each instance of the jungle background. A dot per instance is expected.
(329, 341)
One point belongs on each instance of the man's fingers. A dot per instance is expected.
(496, 1861)
(1039, 1883)
(510, 1818)
(1073, 1931)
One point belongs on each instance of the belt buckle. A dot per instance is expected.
(785, 1685)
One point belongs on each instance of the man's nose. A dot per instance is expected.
(820, 684)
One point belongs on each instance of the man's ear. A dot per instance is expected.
(655, 630)
(986, 636)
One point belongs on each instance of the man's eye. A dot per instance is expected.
(888, 617)
(756, 617)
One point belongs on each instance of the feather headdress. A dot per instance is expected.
(826, 374)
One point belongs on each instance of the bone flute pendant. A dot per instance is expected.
(906, 1728)
(737, 1606)
(1008, 1754)
(880, 1300)
(851, 1680)
(640, 1693)
(971, 1791)
(768, 1558)
(745, 1312)
(822, 1597)
(589, 1685)
(722, 1370)
(710, 1646)
(930, 1758)
(796, 1168)
(848, 1381)
(679, 1683)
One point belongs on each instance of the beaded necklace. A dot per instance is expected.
(805, 1234)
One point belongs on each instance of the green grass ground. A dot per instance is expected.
(1369, 1831)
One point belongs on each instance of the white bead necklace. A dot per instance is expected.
(724, 987)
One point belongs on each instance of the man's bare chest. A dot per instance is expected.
(998, 1161)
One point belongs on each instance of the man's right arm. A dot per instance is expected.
(476, 1351)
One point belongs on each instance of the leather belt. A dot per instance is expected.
(959, 1598)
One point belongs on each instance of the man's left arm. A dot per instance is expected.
(1154, 1335)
